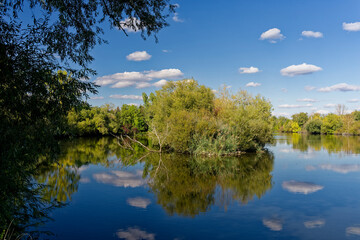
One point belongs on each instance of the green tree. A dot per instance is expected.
(300, 118)
(186, 117)
(35, 96)
(331, 123)
(314, 126)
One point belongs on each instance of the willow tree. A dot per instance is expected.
(37, 39)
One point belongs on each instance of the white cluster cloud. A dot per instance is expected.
(355, 100)
(300, 69)
(138, 56)
(307, 100)
(295, 105)
(253, 84)
(120, 178)
(138, 202)
(312, 34)
(128, 22)
(301, 187)
(138, 79)
(248, 70)
(351, 27)
(309, 88)
(134, 233)
(97, 98)
(314, 224)
(132, 97)
(272, 35)
(176, 18)
(273, 224)
(284, 90)
(342, 87)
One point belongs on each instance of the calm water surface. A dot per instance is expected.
(303, 187)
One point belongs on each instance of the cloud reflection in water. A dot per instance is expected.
(274, 224)
(120, 178)
(353, 230)
(315, 223)
(301, 187)
(138, 202)
(134, 233)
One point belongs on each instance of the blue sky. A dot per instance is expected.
(212, 40)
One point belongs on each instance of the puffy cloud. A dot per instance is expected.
(165, 51)
(165, 73)
(123, 84)
(272, 35)
(134, 233)
(120, 178)
(138, 79)
(309, 88)
(353, 230)
(273, 224)
(312, 34)
(315, 223)
(355, 100)
(132, 97)
(128, 23)
(306, 100)
(295, 105)
(143, 85)
(160, 83)
(176, 18)
(97, 98)
(253, 84)
(351, 27)
(301, 187)
(138, 56)
(138, 202)
(128, 77)
(300, 69)
(248, 70)
(342, 87)
(284, 90)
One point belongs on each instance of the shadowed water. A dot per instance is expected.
(303, 187)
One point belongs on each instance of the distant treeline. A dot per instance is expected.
(105, 120)
(340, 123)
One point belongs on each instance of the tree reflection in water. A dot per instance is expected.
(330, 143)
(182, 184)
(187, 186)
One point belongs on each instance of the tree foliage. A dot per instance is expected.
(346, 124)
(45, 50)
(105, 120)
(187, 117)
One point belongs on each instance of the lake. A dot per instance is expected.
(303, 187)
